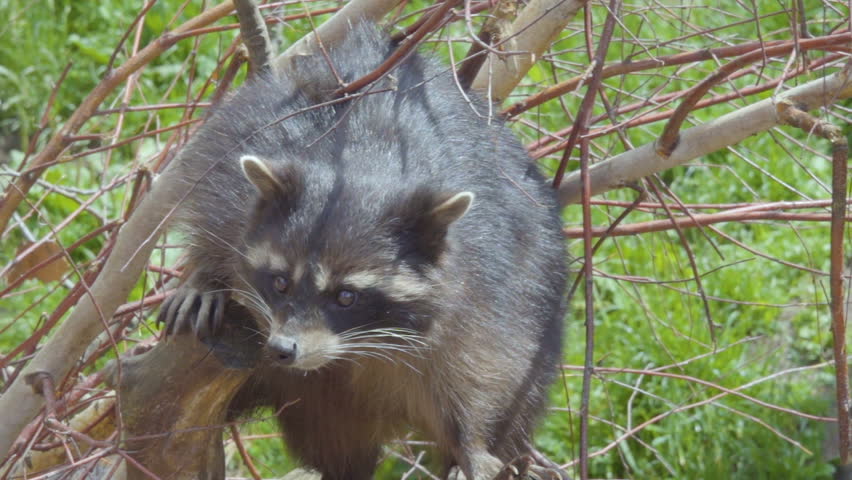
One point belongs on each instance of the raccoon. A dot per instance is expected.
(402, 260)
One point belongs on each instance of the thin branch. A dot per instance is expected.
(401, 52)
(581, 126)
(697, 221)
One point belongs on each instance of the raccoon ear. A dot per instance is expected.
(284, 185)
(451, 209)
(427, 232)
(260, 175)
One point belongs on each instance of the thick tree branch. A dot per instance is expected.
(333, 30)
(174, 401)
(255, 36)
(532, 32)
(129, 256)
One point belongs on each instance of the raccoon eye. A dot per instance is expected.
(279, 284)
(346, 298)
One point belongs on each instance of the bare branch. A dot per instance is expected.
(707, 138)
(255, 36)
(532, 32)
(333, 30)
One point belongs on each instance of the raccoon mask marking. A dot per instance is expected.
(332, 308)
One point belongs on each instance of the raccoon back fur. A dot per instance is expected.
(400, 256)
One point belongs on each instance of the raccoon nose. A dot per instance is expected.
(283, 349)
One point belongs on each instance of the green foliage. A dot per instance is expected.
(770, 317)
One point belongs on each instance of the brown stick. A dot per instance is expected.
(839, 183)
(652, 63)
(400, 53)
(698, 221)
(580, 126)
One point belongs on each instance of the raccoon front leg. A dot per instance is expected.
(474, 463)
(197, 305)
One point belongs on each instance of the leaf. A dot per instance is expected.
(51, 272)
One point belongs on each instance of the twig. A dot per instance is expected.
(636, 66)
(493, 30)
(538, 24)
(580, 126)
(581, 123)
(401, 52)
(235, 434)
(333, 30)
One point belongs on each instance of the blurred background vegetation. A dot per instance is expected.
(773, 319)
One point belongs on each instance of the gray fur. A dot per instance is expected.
(462, 336)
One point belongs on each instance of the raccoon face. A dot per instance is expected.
(342, 278)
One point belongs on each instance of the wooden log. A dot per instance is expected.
(174, 399)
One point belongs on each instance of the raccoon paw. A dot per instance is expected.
(190, 309)
(525, 468)
(537, 472)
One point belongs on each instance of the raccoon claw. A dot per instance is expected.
(525, 468)
(189, 309)
(517, 469)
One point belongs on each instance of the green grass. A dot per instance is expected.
(771, 318)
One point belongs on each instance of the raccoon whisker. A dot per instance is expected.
(410, 336)
(375, 355)
(410, 342)
(335, 353)
(343, 358)
(257, 304)
(361, 329)
(381, 346)
(380, 356)
(255, 299)
(262, 312)
(351, 349)
(254, 330)
(222, 241)
(386, 332)
(389, 346)
(253, 292)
